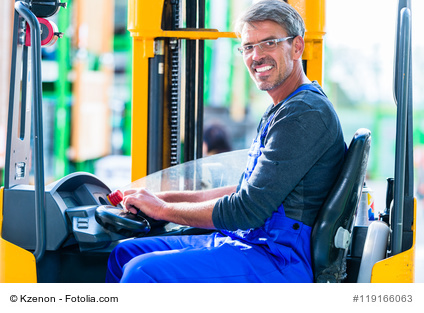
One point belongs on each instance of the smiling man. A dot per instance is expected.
(265, 222)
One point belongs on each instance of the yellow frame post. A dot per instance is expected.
(399, 268)
(313, 13)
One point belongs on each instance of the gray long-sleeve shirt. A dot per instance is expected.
(302, 156)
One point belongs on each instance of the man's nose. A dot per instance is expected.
(257, 52)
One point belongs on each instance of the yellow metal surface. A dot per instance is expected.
(313, 13)
(399, 268)
(145, 19)
(139, 109)
(1, 209)
(17, 265)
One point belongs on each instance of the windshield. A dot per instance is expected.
(214, 171)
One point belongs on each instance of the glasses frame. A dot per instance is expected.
(247, 49)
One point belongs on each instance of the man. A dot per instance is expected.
(265, 222)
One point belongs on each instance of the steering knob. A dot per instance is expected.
(115, 197)
(118, 214)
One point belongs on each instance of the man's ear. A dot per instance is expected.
(297, 47)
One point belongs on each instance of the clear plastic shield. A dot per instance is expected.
(220, 170)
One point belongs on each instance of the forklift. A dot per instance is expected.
(64, 232)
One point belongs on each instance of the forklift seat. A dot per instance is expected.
(331, 231)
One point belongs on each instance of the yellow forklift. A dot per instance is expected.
(64, 232)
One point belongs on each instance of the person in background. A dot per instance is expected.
(215, 140)
(263, 225)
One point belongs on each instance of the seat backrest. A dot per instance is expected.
(337, 212)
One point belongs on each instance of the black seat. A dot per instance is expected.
(332, 228)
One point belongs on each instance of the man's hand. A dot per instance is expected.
(145, 201)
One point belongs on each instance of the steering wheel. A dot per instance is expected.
(124, 223)
(118, 221)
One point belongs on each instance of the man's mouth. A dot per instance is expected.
(263, 68)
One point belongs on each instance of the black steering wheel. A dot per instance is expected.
(124, 223)
(116, 220)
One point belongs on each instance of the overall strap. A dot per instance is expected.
(310, 87)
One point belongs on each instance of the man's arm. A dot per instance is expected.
(184, 208)
(195, 196)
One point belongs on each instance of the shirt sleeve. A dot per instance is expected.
(293, 144)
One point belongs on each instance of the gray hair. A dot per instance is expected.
(273, 10)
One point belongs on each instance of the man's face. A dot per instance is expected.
(269, 69)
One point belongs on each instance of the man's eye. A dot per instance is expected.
(248, 48)
(269, 43)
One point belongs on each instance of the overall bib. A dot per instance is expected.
(279, 251)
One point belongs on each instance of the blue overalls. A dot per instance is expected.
(278, 251)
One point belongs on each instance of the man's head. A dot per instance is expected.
(273, 10)
(271, 34)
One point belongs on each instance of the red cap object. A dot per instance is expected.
(115, 197)
(48, 33)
